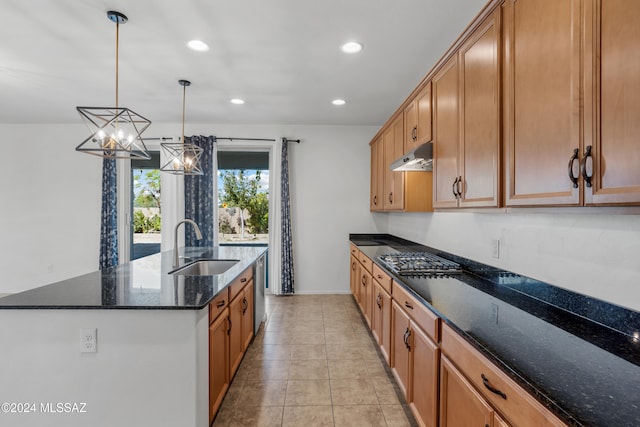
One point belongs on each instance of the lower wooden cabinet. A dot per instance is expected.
(219, 378)
(366, 294)
(353, 277)
(241, 326)
(400, 347)
(460, 404)
(381, 319)
(247, 314)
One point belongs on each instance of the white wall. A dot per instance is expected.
(50, 211)
(50, 216)
(592, 254)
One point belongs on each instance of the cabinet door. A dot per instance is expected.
(480, 115)
(377, 175)
(385, 324)
(353, 277)
(460, 404)
(417, 119)
(612, 103)
(247, 315)
(236, 341)
(393, 149)
(218, 362)
(542, 101)
(424, 362)
(400, 334)
(366, 294)
(446, 136)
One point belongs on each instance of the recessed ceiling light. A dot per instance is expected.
(338, 102)
(198, 45)
(351, 47)
(237, 101)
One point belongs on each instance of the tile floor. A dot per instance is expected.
(314, 363)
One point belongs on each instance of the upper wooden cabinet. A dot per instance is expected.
(377, 175)
(466, 98)
(612, 103)
(417, 119)
(541, 100)
(393, 181)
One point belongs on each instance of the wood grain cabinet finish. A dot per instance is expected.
(377, 175)
(247, 315)
(353, 276)
(381, 318)
(417, 119)
(219, 378)
(392, 138)
(400, 330)
(541, 87)
(610, 156)
(236, 338)
(466, 98)
(366, 294)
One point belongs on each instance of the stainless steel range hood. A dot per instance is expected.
(420, 159)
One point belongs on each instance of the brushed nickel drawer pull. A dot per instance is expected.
(491, 388)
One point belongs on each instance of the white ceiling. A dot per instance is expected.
(281, 56)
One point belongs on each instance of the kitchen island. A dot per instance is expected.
(577, 356)
(151, 365)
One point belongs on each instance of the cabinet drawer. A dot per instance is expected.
(366, 262)
(355, 251)
(512, 401)
(239, 283)
(426, 319)
(382, 278)
(218, 304)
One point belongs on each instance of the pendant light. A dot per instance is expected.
(182, 158)
(115, 132)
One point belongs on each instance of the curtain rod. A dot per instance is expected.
(170, 138)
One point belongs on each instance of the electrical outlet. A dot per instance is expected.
(88, 340)
(495, 248)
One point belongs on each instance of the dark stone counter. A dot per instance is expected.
(140, 284)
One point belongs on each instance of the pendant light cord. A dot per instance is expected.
(117, 43)
(184, 96)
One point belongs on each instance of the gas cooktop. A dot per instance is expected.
(421, 264)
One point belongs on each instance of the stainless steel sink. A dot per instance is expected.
(205, 267)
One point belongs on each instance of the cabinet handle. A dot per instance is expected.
(574, 179)
(220, 304)
(229, 329)
(378, 301)
(375, 200)
(583, 166)
(390, 197)
(454, 187)
(409, 306)
(244, 279)
(364, 281)
(353, 266)
(245, 305)
(414, 133)
(458, 187)
(491, 388)
(407, 334)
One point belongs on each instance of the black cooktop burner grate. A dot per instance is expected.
(419, 264)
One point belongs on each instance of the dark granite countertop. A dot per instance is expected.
(140, 284)
(580, 357)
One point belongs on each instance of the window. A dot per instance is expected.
(243, 197)
(145, 207)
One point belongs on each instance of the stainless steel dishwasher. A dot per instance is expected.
(260, 280)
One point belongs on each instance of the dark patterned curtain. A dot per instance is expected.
(198, 195)
(287, 238)
(109, 222)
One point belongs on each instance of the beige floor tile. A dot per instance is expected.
(369, 352)
(263, 393)
(223, 417)
(307, 416)
(308, 352)
(280, 325)
(308, 370)
(398, 416)
(343, 351)
(355, 391)
(267, 369)
(303, 327)
(359, 415)
(310, 392)
(274, 352)
(385, 390)
(233, 394)
(277, 337)
(258, 417)
(339, 337)
(308, 338)
(348, 368)
(376, 368)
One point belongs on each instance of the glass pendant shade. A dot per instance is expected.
(115, 131)
(182, 158)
